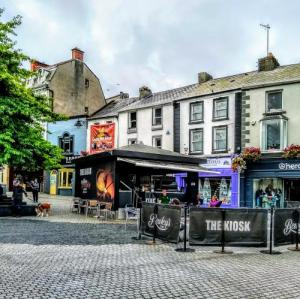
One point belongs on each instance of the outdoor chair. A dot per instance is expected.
(105, 210)
(132, 213)
(75, 205)
(83, 206)
(92, 205)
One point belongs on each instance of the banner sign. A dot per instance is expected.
(166, 221)
(285, 226)
(242, 227)
(102, 137)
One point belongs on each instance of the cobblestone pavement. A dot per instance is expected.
(71, 256)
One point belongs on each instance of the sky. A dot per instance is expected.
(163, 44)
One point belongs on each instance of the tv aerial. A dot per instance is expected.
(267, 27)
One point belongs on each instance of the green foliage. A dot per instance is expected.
(22, 113)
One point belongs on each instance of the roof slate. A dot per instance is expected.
(280, 75)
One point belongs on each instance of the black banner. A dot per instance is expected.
(165, 218)
(242, 227)
(285, 226)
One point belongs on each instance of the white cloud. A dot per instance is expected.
(160, 43)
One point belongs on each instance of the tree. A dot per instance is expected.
(22, 113)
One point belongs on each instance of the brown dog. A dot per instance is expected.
(43, 208)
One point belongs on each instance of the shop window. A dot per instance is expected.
(220, 109)
(66, 143)
(219, 186)
(196, 141)
(157, 116)
(157, 141)
(132, 123)
(65, 178)
(196, 112)
(220, 139)
(274, 134)
(268, 192)
(274, 101)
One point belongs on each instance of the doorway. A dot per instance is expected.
(292, 189)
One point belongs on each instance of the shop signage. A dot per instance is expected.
(165, 220)
(289, 166)
(218, 162)
(242, 227)
(86, 171)
(285, 226)
(69, 159)
(102, 137)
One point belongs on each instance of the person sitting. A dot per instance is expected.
(215, 203)
(18, 191)
(164, 198)
(175, 202)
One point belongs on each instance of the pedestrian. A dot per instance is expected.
(164, 198)
(215, 203)
(17, 198)
(35, 187)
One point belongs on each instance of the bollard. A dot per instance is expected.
(185, 249)
(223, 251)
(296, 220)
(270, 250)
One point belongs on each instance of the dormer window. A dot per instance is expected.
(274, 101)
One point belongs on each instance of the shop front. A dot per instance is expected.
(271, 182)
(223, 183)
(135, 173)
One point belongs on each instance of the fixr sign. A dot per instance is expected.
(231, 226)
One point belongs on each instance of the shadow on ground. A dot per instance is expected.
(25, 231)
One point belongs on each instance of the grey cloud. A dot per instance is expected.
(163, 43)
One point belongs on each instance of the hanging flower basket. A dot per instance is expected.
(249, 154)
(292, 151)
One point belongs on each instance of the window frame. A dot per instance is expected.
(71, 141)
(156, 137)
(267, 100)
(215, 151)
(283, 134)
(214, 118)
(191, 151)
(60, 178)
(202, 116)
(130, 128)
(154, 125)
(131, 139)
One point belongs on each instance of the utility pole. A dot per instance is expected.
(267, 27)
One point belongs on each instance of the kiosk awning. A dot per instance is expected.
(167, 165)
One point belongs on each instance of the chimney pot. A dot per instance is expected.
(204, 77)
(268, 63)
(145, 92)
(77, 54)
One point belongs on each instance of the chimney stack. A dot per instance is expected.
(77, 54)
(35, 65)
(268, 63)
(145, 92)
(124, 95)
(203, 77)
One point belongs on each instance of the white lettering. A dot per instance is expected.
(235, 226)
(162, 224)
(290, 227)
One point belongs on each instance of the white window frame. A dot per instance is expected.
(154, 118)
(283, 134)
(192, 142)
(213, 139)
(193, 104)
(130, 127)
